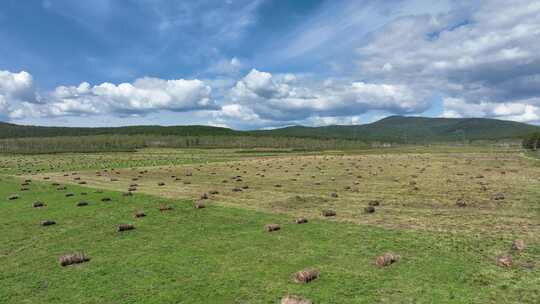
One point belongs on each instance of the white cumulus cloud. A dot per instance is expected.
(143, 96)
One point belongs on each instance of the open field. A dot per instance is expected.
(221, 254)
(415, 190)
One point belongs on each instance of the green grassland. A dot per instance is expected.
(221, 254)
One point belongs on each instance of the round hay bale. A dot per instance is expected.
(13, 197)
(47, 223)
(295, 300)
(38, 204)
(165, 208)
(374, 203)
(125, 227)
(504, 260)
(498, 197)
(334, 195)
(301, 220)
(139, 214)
(272, 227)
(387, 259)
(199, 205)
(106, 199)
(70, 194)
(214, 192)
(369, 209)
(204, 196)
(82, 204)
(518, 245)
(328, 213)
(305, 276)
(73, 258)
(461, 203)
(161, 184)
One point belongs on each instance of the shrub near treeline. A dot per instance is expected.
(532, 142)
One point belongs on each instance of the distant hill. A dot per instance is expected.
(416, 130)
(391, 129)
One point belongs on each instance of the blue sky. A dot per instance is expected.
(252, 64)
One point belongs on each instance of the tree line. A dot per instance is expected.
(117, 143)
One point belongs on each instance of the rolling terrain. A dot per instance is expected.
(391, 129)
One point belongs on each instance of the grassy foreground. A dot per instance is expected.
(222, 255)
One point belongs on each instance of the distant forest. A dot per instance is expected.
(391, 130)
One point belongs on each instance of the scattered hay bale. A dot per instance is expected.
(237, 190)
(306, 275)
(199, 205)
(214, 192)
(82, 204)
(334, 195)
(277, 185)
(498, 197)
(125, 227)
(328, 213)
(387, 259)
(165, 208)
(518, 245)
(13, 197)
(139, 214)
(47, 223)
(504, 260)
(106, 199)
(82, 183)
(369, 209)
(161, 184)
(73, 258)
(272, 227)
(70, 194)
(38, 204)
(204, 196)
(461, 203)
(295, 300)
(301, 220)
(24, 189)
(374, 203)
(127, 193)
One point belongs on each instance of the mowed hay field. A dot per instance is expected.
(449, 215)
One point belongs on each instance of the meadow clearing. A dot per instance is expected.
(449, 212)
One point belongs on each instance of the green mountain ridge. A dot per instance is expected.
(401, 129)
